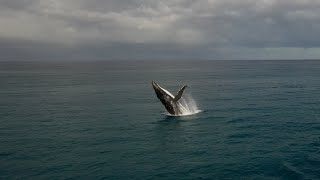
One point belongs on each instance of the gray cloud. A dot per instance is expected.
(172, 29)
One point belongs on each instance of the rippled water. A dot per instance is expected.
(102, 120)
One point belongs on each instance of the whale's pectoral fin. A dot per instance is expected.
(179, 94)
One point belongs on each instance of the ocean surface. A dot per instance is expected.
(102, 120)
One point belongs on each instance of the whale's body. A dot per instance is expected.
(170, 102)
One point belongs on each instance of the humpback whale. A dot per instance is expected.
(170, 102)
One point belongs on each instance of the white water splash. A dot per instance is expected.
(187, 105)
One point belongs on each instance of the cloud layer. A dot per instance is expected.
(171, 29)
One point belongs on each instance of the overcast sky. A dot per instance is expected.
(159, 29)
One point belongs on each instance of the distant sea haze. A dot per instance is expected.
(102, 120)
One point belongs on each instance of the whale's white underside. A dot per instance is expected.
(166, 91)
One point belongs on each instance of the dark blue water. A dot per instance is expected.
(102, 120)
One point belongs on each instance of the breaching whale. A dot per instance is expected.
(170, 102)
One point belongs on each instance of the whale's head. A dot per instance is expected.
(159, 90)
(170, 102)
(166, 98)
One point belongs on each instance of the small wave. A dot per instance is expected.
(291, 171)
(184, 114)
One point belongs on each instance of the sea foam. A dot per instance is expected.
(187, 105)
